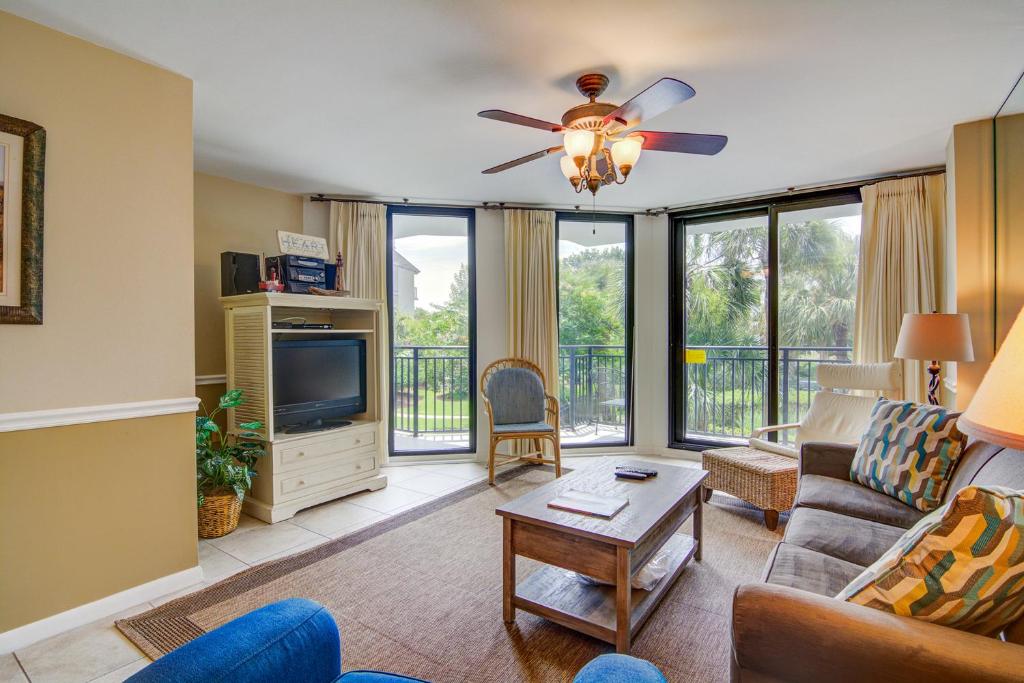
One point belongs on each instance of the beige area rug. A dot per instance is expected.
(420, 594)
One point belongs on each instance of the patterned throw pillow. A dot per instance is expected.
(909, 452)
(960, 566)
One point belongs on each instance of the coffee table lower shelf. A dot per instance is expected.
(557, 595)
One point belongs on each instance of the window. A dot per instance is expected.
(595, 318)
(431, 279)
(762, 294)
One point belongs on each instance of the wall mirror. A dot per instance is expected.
(22, 156)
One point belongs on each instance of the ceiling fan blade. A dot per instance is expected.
(687, 143)
(520, 120)
(660, 97)
(522, 160)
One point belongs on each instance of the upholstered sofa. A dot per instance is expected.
(790, 627)
(297, 641)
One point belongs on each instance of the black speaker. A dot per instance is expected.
(239, 273)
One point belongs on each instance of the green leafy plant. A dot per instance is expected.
(225, 463)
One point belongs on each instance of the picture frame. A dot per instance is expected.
(22, 171)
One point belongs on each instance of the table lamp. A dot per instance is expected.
(996, 413)
(935, 337)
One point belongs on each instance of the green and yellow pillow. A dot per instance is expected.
(960, 566)
(909, 452)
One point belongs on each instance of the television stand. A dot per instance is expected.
(312, 463)
(316, 426)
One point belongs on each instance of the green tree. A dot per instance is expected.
(591, 297)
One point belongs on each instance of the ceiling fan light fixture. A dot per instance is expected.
(578, 145)
(596, 153)
(626, 151)
(569, 168)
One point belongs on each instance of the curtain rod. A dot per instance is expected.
(658, 211)
(490, 206)
(798, 191)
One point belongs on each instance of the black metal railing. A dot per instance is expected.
(431, 386)
(592, 386)
(727, 389)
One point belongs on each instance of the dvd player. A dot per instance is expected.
(284, 325)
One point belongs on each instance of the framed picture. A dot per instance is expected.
(22, 161)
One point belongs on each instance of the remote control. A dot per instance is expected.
(623, 474)
(637, 470)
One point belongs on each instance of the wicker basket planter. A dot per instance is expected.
(218, 515)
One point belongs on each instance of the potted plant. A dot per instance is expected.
(224, 468)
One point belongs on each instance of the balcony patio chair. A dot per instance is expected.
(519, 410)
(764, 473)
(608, 385)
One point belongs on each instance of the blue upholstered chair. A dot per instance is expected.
(519, 410)
(297, 641)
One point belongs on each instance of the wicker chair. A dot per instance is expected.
(518, 409)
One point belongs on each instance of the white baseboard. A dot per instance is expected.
(211, 379)
(26, 635)
(62, 417)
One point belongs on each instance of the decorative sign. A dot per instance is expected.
(302, 245)
(696, 356)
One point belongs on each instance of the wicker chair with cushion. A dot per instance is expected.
(518, 410)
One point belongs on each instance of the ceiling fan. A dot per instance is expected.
(588, 163)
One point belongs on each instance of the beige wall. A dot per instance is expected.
(231, 216)
(117, 290)
(90, 510)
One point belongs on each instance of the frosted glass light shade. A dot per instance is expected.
(579, 143)
(625, 152)
(935, 336)
(569, 169)
(996, 413)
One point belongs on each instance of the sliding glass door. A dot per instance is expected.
(431, 280)
(762, 293)
(595, 320)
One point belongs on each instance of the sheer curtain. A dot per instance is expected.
(530, 253)
(902, 227)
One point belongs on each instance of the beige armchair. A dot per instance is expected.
(836, 417)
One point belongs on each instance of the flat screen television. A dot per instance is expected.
(317, 382)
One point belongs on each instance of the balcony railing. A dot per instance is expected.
(726, 394)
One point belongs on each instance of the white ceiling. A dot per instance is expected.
(380, 98)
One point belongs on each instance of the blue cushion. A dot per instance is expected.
(523, 427)
(516, 396)
(376, 677)
(619, 669)
(292, 640)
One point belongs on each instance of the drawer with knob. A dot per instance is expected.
(320, 451)
(306, 482)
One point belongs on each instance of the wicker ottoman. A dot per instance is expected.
(763, 479)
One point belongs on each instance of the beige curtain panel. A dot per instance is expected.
(902, 229)
(530, 254)
(360, 232)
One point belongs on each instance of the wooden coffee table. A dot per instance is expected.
(611, 550)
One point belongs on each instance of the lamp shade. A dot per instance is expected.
(569, 169)
(996, 413)
(935, 336)
(579, 143)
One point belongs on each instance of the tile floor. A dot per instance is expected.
(98, 653)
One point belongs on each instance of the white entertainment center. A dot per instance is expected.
(302, 470)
